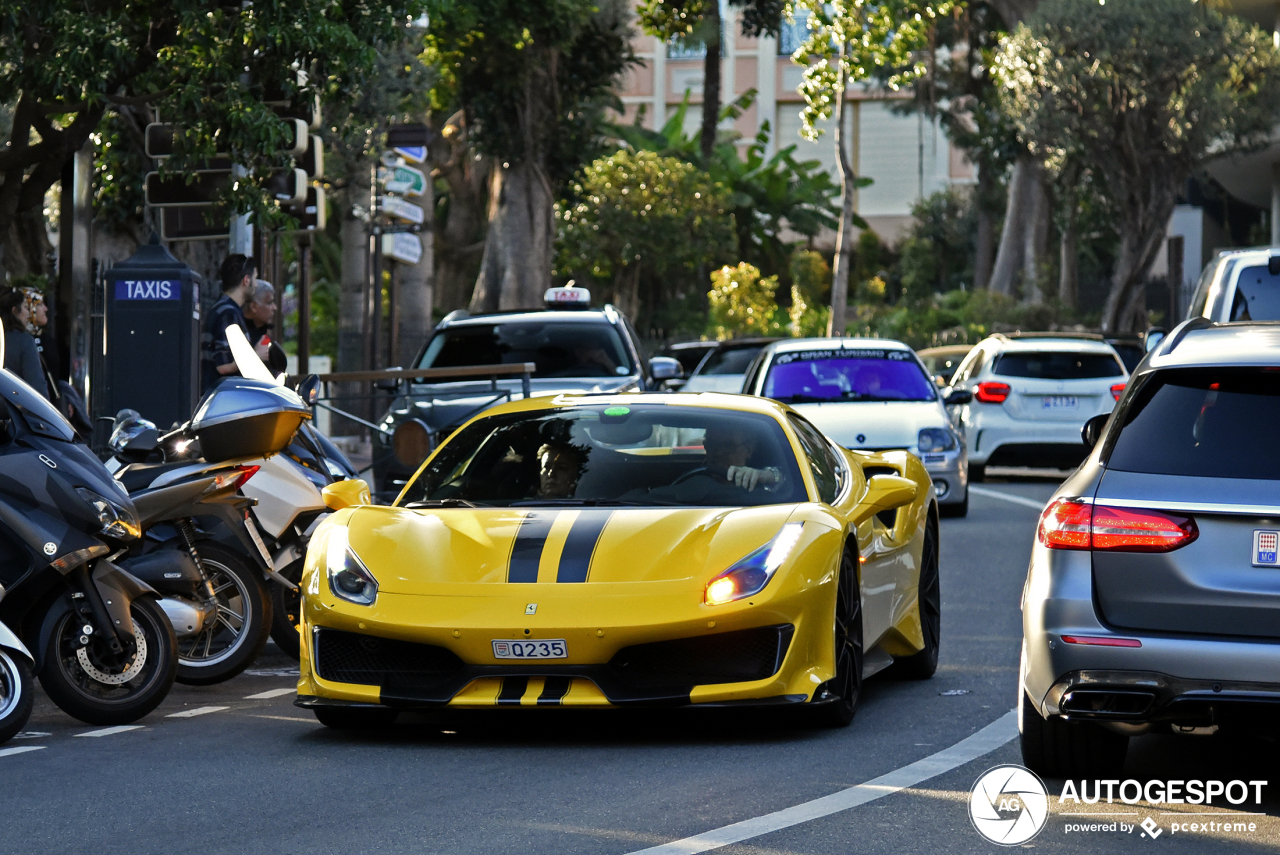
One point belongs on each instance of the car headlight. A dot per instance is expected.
(118, 521)
(749, 576)
(937, 439)
(349, 579)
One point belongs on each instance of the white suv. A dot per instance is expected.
(1032, 393)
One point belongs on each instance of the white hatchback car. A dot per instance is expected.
(1031, 395)
(868, 394)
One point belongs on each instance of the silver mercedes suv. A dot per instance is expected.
(1152, 601)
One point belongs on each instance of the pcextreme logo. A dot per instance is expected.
(1008, 805)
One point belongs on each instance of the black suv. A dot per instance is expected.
(573, 349)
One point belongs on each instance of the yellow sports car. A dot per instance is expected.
(604, 551)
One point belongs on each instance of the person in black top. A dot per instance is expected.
(238, 273)
(21, 353)
(259, 313)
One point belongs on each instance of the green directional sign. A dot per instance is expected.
(403, 180)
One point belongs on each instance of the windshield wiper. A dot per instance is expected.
(442, 503)
(807, 399)
(592, 503)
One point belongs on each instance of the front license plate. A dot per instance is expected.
(1265, 548)
(1061, 402)
(541, 648)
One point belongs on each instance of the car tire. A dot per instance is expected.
(959, 509)
(355, 718)
(922, 665)
(846, 687)
(1058, 748)
(977, 473)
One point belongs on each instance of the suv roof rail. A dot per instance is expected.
(1019, 334)
(1180, 332)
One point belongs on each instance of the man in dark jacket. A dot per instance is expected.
(238, 273)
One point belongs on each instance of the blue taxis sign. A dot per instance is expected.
(148, 289)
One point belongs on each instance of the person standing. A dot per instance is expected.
(237, 275)
(259, 315)
(21, 354)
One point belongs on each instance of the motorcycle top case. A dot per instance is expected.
(247, 418)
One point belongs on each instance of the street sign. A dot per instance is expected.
(401, 210)
(403, 180)
(403, 247)
(412, 153)
(408, 135)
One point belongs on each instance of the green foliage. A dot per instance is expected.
(742, 302)
(956, 317)
(209, 67)
(937, 252)
(810, 292)
(643, 224)
(766, 195)
(918, 269)
(533, 78)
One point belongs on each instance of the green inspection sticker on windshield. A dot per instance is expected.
(618, 411)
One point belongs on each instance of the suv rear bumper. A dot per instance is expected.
(1146, 697)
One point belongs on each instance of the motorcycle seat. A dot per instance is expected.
(139, 476)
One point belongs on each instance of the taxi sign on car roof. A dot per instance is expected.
(567, 296)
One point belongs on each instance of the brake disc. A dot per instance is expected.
(135, 665)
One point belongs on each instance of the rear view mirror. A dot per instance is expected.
(887, 492)
(665, 368)
(346, 494)
(957, 396)
(1092, 430)
(1152, 339)
(309, 389)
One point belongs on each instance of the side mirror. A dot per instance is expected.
(411, 442)
(665, 368)
(887, 492)
(309, 389)
(1092, 430)
(1152, 339)
(956, 397)
(346, 494)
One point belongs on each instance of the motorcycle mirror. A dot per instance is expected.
(309, 389)
(251, 367)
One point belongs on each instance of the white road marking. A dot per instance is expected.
(111, 731)
(270, 693)
(970, 748)
(5, 752)
(273, 672)
(285, 718)
(195, 712)
(1017, 500)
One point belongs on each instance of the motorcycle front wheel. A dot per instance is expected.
(16, 691)
(238, 632)
(100, 687)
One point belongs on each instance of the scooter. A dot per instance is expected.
(17, 684)
(95, 635)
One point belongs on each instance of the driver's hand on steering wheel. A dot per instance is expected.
(748, 478)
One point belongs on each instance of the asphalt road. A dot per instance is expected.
(237, 769)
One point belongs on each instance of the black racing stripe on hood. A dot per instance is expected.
(526, 551)
(580, 545)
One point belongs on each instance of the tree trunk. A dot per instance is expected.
(984, 248)
(626, 291)
(516, 269)
(355, 261)
(459, 234)
(1008, 261)
(1036, 237)
(1069, 258)
(710, 83)
(415, 292)
(1142, 231)
(845, 237)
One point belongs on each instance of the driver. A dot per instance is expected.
(560, 466)
(728, 448)
(591, 353)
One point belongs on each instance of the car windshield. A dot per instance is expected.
(814, 376)
(1257, 295)
(731, 360)
(1202, 422)
(1058, 365)
(557, 348)
(611, 454)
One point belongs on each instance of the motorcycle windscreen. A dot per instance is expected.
(34, 409)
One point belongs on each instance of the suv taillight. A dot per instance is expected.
(1068, 524)
(989, 392)
(1117, 390)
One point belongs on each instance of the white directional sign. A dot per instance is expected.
(402, 210)
(403, 180)
(402, 246)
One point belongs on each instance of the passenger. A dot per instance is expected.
(560, 465)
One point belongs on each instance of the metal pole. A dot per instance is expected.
(393, 314)
(241, 229)
(304, 306)
(375, 339)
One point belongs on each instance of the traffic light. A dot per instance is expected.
(186, 189)
(288, 187)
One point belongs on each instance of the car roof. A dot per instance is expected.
(693, 345)
(712, 400)
(945, 350)
(1066, 344)
(606, 314)
(790, 345)
(1192, 344)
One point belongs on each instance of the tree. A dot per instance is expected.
(641, 225)
(533, 81)
(1138, 91)
(851, 41)
(210, 67)
(742, 302)
(700, 20)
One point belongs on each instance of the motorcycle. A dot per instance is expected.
(95, 635)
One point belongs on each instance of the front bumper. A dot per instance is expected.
(949, 471)
(1185, 680)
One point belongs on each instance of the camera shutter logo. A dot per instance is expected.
(1009, 805)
